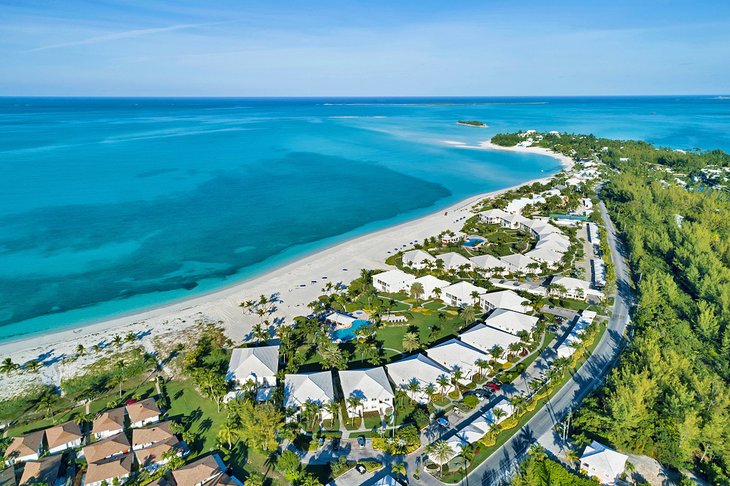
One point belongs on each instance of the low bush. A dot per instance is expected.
(471, 401)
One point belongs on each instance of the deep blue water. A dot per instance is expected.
(113, 205)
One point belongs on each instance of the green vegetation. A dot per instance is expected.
(473, 123)
(539, 470)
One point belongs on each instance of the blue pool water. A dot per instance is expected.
(113, 205)
(473, 242)
(348, 334)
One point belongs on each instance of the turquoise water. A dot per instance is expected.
(473, 242)
(348, 334)
(108, 206)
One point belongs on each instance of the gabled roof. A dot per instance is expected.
(25, 445)
(429, 281)
(507, 319)
(506, 299)
(544, 254)
(303, 387)
(454, 354)
(63, 434)
(155, 453)
(556, 238)
(142, 410)
(552, 244)
(151, 433)
(199, 471)
(224, 480)
(7, 476)
(518, 261)
(453, 259)
(603, 461)
(261, 361)
(109, 420)
(462, 290)
(485, 338)
(113, 445)
(42, 471)
(108, 469)
(418, 368)
(371, 383)
(570, 282)
(487, 262)
(417, 256)
(494, 213)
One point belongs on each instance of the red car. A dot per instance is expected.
(492, 386)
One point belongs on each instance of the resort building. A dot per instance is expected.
(573, 288)
(43, 471)
(25, 448)
(146, 436)
(506, 411)
(457, 355)
(418, 259)
(454, 261)
(489, 264)
(309, 387)
(64, 436)
(429, 284)
(200, 472)
(109, 423)
(520, 263)
(418, 369)
(603, 463)
(158, 454)
(494, 216)
(461, 294)
(544, 255)
(106, 448)
(514, 221)
(110, 471)
(143, 413)
(392, 281)
(511, 321)
(257, 366)
(504, 299)
(371, 387)
(486, 339)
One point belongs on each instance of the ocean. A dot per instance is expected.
(108, 206)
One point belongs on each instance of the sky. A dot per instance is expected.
(364, 48)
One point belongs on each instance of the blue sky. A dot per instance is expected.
(366, 48)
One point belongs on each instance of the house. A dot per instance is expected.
(461, 294)
(603, 462)
(486, 338)
(489, 264)
(544, 255)
(158, 454)
(430, 284)
(146, 436)
(43, 471)
(370, 386)
(514, 221)
(110, 471)
(418, 369)
(457, 355)
(392, 281)
(309, 387)
(106, 448)
(511, 321)
(454, 261)
(520, 263)
(109, 423)
(25, 448)
(504, 299)
(573, 288)
(143, 412)
(494, 216)
(417, 259)
(64, 436)
(7, 476)
(506, 411)
(199, 472)
(387, 481)
(256, 365)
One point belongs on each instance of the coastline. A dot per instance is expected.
(340, 262)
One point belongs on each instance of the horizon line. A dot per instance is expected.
(270, 97)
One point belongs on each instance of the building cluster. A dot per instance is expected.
(574, 338)
(598, 267)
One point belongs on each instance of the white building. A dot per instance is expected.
(493, 216)
(603, 463)
(417, 259)
(392, 281)
(309, 387)
(158, 454)
(416, 369)
(457, 355)
(489, 264)
(503, 405)
(504, 299)
(454, 261)
(461, 294)
(371, 387)
(511, 321)
(573, 288)
(429, 284)
(257, 365)
(64, 436)
(143, 412)
(520, 263)
(544, 255)
(485, 338)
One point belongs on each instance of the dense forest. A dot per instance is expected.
(669, 396)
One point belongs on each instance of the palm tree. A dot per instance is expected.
(333, 408)
(482, 364)
(228, 434)
(8, 366)
(353, 403)
(496, 352)
(437, 292)
(430, 391)
(468, 315)
(399, 469)
(499, 414)
(440, 452)
(443, 383)
(417, 291)
(80, 350)
(96, 348)
(573, 457)
(411, 342)
(130, 337)
(514, 348)
(33, 365)
(456, 377)
(119, 376)
(413, 387)
(518, 402)
(117, 340)
(311, 411)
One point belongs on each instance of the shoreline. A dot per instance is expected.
(340, 262)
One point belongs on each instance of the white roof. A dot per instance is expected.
(482, 423)
(261, 361)
(453, 260)
(339, 318)
(516, 218)
(517, 261)
(487, 262)
(417, 256)
(471, 434)
(507, 299)
(485, 338)
(570, 282)
(502, 404)
(556, 238)
(387, 481)
(454, 354)
(462, 290)
(509, 319)
(429, 282)
(420, 368)
(585, 320)
(494, 213)
(395, 277)
(304, 387)
(544, 254)
(603, 462)
(371, 383)
(553, 244)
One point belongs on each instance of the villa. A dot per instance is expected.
(603, 463)
(392, 281)
(514, 221)
(461, 294)
(257, 366)
(454, 261)
(430, 284)
(520, 263)
(104, 449)
(145, 437)
(503, 405)
(200, 472)
(158, 454)
(316, 388)
(457, 355)
(573, 288)
(64, 436)
(42, 471)
(371, 387)
(486, 338)
(489, 264)
(143, 413)
(418, 369)
(494, 216)
(25, 448)
(417, 259)
(545, 255)
(504, 299)
(109, 471)
(511, 321)
(109, 423)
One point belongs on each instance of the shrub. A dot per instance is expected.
(454, 394)
(471, 401)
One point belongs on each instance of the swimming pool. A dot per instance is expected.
(348, 334)
(471, 242)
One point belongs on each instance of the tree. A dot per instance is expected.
(482, 365)
(257, 424)
(411, 342)
(499, 414)
(228, 434)
(119, 376)
(289, 465)
(8, 366)
(130, 337)
(254, 479)
(80, 350)
(572, 457)
(33, 365)
(353, 404)
(46, 402)
(333, 409)
(117, 341)
(331, 356)
(417, 291)
(514, 348)
(440, 452)
(430, 391)
(519, 403)
(496, 352)
(443, 382)
(413, 387)
(467, 315)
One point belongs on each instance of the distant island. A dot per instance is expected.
(472, 123)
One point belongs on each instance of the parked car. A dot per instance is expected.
(361, 469)
(361, 441)
(480, 394)
(493, 386)
(442, 422)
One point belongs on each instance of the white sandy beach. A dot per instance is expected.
(340, 263)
